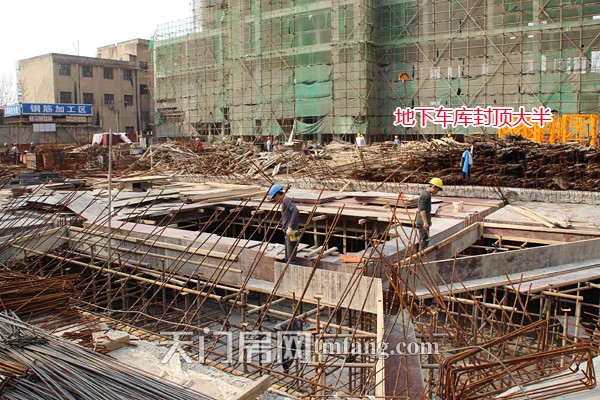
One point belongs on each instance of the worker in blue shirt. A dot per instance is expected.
(289, 221)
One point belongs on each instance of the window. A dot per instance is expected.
(127, 75)
(88, 98)
(109, 99)
(65, 69)
(65, 97)
(144, 65)
(435, 73)
(485, 68)
(144, 89)
(108, 73)
(87, 72)
(128, 100)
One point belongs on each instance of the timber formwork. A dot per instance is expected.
(221, 271)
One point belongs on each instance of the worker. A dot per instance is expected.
(198, 145)
(260, 144)
(32, 147)
(360, 141)
(423, 222)
(396, 140)
(15, 153)
(289, 221)
(465, 163)
(275, 143)
(211, 139)
(269, 144)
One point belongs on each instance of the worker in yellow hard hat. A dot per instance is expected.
(360, 141)
(396, 140)
(423, 222)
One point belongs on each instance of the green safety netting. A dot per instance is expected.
(348, 125)
(313, 107)
(303, 128)
(313, 90)
(314, 73)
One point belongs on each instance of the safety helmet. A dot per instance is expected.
(359, 134)
(197, 138)
(395, 136)
(31, 143)
(5, 144)
(437, 182)
(274, 190)
(269, 137)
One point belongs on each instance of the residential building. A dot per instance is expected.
(116, 84)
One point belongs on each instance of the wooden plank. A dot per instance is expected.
(520, 239)
(526, 231)
(556, 281)
(544, 220)
(450, 247)
(259, 388)
(350, 259)
(146, 178)
(508, 281)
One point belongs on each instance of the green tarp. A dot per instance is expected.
(313, 107)
(313, 90)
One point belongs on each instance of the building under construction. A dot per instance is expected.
(326, 68)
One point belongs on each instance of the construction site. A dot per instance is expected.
(160, 271)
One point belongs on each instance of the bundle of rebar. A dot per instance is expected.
(58, 369)
(29, 294)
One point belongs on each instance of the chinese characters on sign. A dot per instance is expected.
(57, 109)
(12, 110)
(493, 117)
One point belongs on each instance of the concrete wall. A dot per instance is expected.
(24, 134)
(36, 78)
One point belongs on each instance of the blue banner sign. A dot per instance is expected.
(57, 109)
(12, 110)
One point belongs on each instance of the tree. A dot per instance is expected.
(8, 93)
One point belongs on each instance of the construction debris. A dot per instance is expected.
(509, 162)
(174, 250)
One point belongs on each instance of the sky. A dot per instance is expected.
(78, 27)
